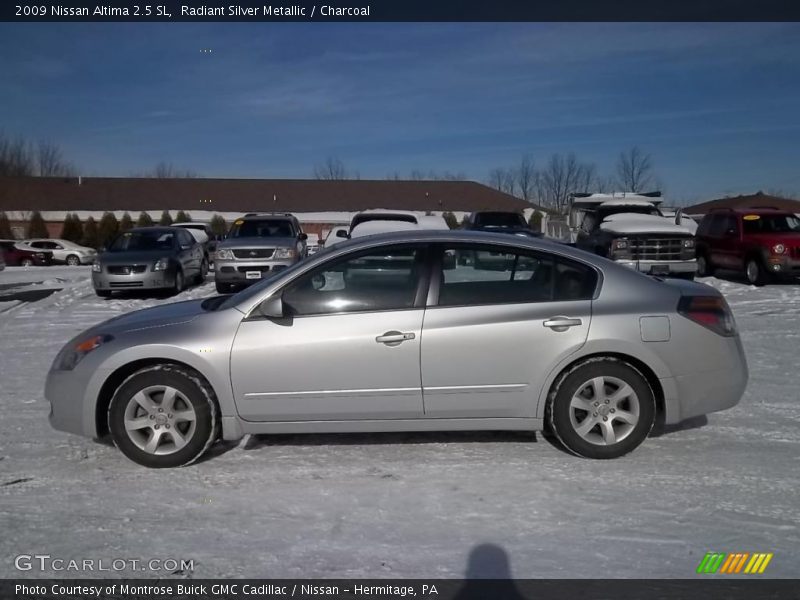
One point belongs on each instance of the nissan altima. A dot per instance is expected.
(382, 333)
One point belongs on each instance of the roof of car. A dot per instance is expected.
(755, 210)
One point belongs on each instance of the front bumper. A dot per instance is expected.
(660, 267)
(69, 394)
(780, 264)
(149, 280)
(236, 271)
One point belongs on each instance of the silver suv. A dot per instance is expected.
(257, 245)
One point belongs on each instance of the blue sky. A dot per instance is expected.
(716, 105)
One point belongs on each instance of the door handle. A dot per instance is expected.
(561, 323)
(394, 338)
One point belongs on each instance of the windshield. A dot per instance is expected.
(771, 223)
(607, 211)
(500, 220)
(143, 240)
(271, 228)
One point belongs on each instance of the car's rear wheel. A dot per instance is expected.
(164, 416)
(201, 276)
(704, 266)
(73, 261)
(755, 272)
(603, 408)
(177, 287)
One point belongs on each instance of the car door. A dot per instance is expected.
(188, 252)
(348, 347)
(495, 328)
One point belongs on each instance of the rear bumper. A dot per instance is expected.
(661, 267)
(704, 392)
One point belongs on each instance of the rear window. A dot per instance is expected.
(499, 220)
(358, 219)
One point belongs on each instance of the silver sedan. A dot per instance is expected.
(383, 334)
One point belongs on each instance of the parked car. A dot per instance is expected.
(149, 258)
(403, 219)
(313, 243)
(257, 246)
(762, 243)
(334, 237)
(64, 251)
(630, 229)
(18, 254)
(496, 221)
(2, 259)
(204, 235)
(374, 335)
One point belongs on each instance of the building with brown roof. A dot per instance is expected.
(317, 203)
(757, 200)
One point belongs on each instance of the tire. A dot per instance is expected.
(144, 429)
(585, 425)
(73, 261)
(201, 276)
(755, 272)
(179, 284)
(103, 293)
(26, 262)
(704, 266)
(223, 288)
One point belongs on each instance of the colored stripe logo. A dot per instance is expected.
(734, 563)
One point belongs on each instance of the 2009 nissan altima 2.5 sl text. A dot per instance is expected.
(382, 334)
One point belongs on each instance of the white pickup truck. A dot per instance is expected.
(631, 230)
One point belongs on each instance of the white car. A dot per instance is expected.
(333, 236)
(65, 251)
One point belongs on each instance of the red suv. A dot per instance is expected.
(763, 243)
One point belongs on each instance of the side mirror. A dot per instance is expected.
(302, 237)
(342, 233)
(272, 307)
(679, 216)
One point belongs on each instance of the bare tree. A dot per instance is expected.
(331, 169)
(165, 170)
(525, 176)
(635, 170)
(15, 158)
(562, 176)
(502, 179)
(51, 161)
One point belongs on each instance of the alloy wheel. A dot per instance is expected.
(160, 420)
(604, 410)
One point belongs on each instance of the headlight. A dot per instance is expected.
(224, 254)
(162, 264)
(96, 267)
(778, 249)
(688, 243)
(285, 253)
(72, 355)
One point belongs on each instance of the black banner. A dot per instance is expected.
(367, 589)
(401, 10)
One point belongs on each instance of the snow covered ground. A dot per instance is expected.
(402, 505)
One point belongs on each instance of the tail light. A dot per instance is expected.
(712, 312)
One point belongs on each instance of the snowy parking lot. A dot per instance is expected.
(400, 505)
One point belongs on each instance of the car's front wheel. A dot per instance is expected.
(164, 416)
(603, 408)
(223, 288)
(704, 266)
(26, 262)
(73, 261)
(178, 286)
(201, 276)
